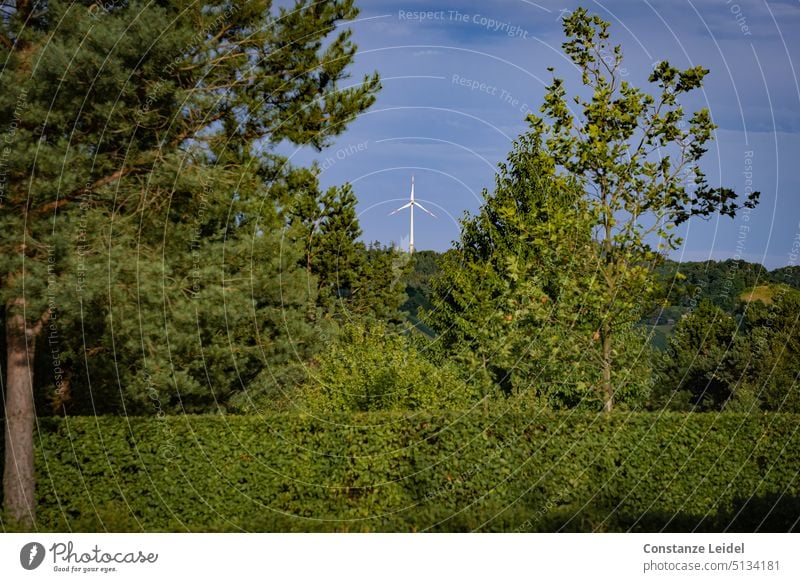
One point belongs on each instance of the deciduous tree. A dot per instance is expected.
(637, 157)
(516, 299)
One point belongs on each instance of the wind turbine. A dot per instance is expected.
(411, 204)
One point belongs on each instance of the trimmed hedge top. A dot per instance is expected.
(420, 472)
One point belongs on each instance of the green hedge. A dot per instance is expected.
(424, 472)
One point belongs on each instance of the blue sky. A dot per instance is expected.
(457, 84)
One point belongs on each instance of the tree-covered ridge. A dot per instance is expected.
(683, 284)
(720, 282)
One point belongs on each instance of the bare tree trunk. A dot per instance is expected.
(608, 388)
(18, 476)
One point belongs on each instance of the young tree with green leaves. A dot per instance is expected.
(514, 303)
(139, 138)
(495, 294)
(637, 157)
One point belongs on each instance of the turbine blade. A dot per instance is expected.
(421, 207)
(401, 208)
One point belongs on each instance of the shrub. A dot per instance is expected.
(373, 368)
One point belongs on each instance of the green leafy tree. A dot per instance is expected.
(638, 159)
(139, 137)
(770, 354)
(515, 299)
(699, 369)
(716, 361)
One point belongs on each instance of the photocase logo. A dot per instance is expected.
(31, 555)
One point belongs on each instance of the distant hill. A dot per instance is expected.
(787, 275)
(727, 284)
(721, 282)
(683, 285)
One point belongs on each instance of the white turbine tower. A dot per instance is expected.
(411, 204)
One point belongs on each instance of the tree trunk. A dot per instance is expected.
(18, 475)
(608, 388)
(610, 277)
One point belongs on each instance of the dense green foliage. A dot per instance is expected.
(750, 360)
(421, 472)
(681, 286)
(787, 276)
(424, 267)
(637, 158)
(517, 301)
(375, 368)
(697, 363)
(198, 271)
(159, 258)
(149, 244)
(352, 280)
(166, 246)
(721, 282)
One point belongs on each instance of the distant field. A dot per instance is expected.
(763, 293)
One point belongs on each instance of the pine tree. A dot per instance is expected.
(138, 155)
(380, 290)
(329, 232)
(352, 280)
